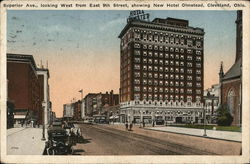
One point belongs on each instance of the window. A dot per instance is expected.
(137, 74)
(137, 52)
(144, 89)
(189, 78)
(161, 62)
(144, 81)
(145, 46)
(156, 75)
(198, 71)
(160, 75)
(155, 54)
(144, 68)
(137, 67)
(189, 91)
(137, 96)
(161, 82)
(161, 55)
(144, 53)
(150, 75)
(198, 91)
(189, 84)
(137, 81)
(150, 89)
(189, 71)
(137, 45)
(189, 51)
(155, 47)
(166, 90)
(137, 88)
(166, 83)
(166, 55)
(166, 62)
(198, 52)
(155, 61)
(137, 60)
(155, 68)
(150, 61)
(198, 58)
(198, 65)
(150, 54)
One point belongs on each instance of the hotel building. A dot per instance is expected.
(161, 71)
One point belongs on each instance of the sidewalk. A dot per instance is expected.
(25, 141)
(216, 134)
(220, 147)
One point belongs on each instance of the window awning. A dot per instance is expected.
(19, 116)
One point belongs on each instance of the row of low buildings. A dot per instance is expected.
(28, 98)
(162, 76)
(92, 104)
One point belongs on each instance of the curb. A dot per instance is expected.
(194, 135)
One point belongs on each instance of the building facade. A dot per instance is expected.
(43, 77)
(68, 111)
(231, 81)
(161, 70)
(24, 89)
(94, 102)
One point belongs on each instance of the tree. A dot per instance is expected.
(224, 116)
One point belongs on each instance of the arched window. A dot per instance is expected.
(230, 100)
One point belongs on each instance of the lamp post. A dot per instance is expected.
(204, 121)
(43, 105)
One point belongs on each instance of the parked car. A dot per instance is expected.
(58, 141)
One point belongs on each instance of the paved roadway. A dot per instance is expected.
(100, 140)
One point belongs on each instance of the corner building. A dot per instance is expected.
(161, 71)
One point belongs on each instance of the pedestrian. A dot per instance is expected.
(126, 124)
(153, 124)
(143, 123)
(130, 126)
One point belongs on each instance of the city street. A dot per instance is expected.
(104, 140)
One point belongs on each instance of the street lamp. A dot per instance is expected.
(204, 120)
(43, 105)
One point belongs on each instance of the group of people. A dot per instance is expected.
(129, 126)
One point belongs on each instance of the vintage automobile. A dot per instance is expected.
(58, 141)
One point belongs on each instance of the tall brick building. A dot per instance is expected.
(231, 82)
(161, 70)
(25, 88)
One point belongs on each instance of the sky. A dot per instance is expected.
(83, 49)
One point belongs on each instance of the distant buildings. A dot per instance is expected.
(68, 111)
(27, 90)
(231, 81)
(91, 104)
(161, 72)
(211, 103)
(94, 102)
